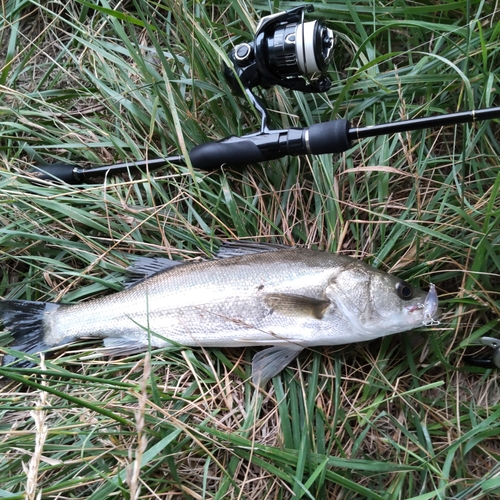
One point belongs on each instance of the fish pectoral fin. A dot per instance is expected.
(268, 363)
(296, 305)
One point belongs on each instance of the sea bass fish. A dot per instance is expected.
(249, 295)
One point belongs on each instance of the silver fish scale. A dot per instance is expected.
(212, 303)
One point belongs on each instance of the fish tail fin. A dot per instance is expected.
(25, 322)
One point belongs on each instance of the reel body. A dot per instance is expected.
(286, 51)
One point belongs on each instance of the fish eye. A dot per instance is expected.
(405, 290)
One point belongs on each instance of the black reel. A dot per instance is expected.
(286, 51)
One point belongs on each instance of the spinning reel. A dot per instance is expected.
(286, 51)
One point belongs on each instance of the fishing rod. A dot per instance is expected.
(321, 138)
(292, 53)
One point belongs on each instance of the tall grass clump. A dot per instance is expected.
(96, 82)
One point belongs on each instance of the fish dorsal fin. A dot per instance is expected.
(239, 248)
(145, 267)
(296, 305)
(268, 363)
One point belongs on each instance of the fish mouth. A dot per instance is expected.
(430, 308)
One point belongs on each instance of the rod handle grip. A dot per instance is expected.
(230, 152)
(58, 172)
(321, 138)
(329, 137)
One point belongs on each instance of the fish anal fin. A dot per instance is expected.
(296, 305)
(122, 346)
(268, 363)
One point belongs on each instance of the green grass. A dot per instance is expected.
(398, 418)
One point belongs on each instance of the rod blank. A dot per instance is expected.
(421, 123)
